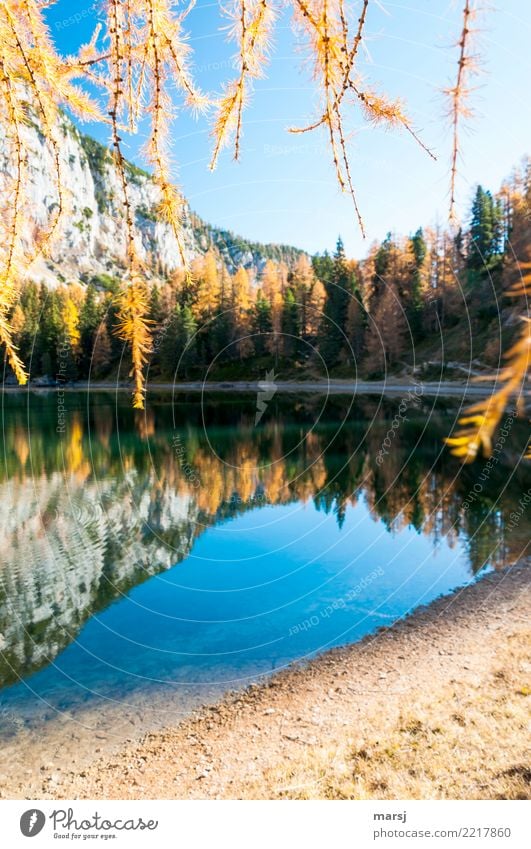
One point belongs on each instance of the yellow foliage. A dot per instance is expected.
(482, 419)
(70, 316)
(134, 329)
(208, 289)
(252, 23)
(7, 298)
(241, 292)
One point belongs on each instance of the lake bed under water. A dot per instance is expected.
(152, 561)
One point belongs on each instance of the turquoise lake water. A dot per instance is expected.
(186, 549)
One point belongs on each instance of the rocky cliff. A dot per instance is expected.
(91, 239)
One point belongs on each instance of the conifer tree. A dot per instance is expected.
(89, 320)
(168, 353)
(261, 324)
(382, 262)
(290, 325)
(310, 296)
(339, 287)
(102, 353)
(485, 240)
(419, 250)
(186, 342)
(386, 342)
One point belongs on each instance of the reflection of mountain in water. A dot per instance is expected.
(91, 513)
(70, 549)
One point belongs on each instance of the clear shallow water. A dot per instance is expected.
(188, 551)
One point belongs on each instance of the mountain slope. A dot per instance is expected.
(90, 241)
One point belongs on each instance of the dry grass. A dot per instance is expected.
(467, 741)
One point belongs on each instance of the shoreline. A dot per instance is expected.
(331, 387)
(431, 707)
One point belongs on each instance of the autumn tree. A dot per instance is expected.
(102, 352)
(310, 296)
(271, 284)
(387, 339)
(206, 277)
(240, 306)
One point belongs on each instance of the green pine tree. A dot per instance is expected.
(261, 324)
(339, 283)
(414, 305)
(290, 325)
(186, 342)
(50, 331)
(89, 320)
(486, 231)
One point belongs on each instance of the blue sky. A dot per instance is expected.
(284, 188)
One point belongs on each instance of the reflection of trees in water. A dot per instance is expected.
(93, 512)
(299, 452)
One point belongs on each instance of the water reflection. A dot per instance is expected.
(91, 513)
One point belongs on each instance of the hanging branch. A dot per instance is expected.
(30, 70)
(326, 25)
(253, 22)
(36, 73)
(144, 51)
(132, 324)
(166, 49)
(481, 420)
(8, 292)
(459, 94)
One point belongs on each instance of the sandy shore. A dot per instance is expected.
(436, 706)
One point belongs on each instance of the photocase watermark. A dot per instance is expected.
(188, 471)
(77, 17)
(63, 356)
(258, 498)
(337, 604)
(162, 333)
(410, 400)
(221, 65)
(266, 392)
(67, 821)
(32, 822)
(65, 824)
(516, 515)
(494, 458)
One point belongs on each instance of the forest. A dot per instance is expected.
(424, 304)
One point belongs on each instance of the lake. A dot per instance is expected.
(190, 549)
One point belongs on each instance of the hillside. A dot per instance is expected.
(90, 243)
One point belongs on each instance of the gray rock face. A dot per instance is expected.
(91, 237)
